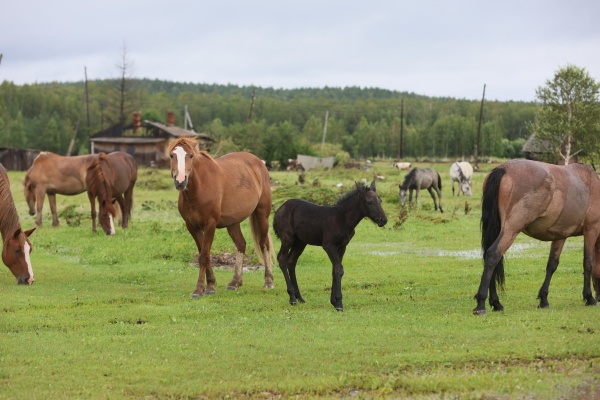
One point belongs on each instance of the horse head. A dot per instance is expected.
(106, 215)
(465, 186)
(371, 204)
(15, 255)
(182, 152)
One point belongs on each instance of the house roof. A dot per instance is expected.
(176, 131)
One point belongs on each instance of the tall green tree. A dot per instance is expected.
(569, 117)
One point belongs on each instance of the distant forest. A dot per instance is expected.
(275, 124)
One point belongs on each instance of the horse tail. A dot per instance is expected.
(490, 219)
(256, 233)
(439, 180)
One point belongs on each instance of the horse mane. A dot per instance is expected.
(408, 178)
(8, 212)
(461, 175)
(98, 183)
(346, 197)
(191, 144)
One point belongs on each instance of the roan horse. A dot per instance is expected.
(16, 247)
(53, 174)
(544, 201)
(299, 223)
(111, 177)
(221, 193)
(421, 178)
(461, 172)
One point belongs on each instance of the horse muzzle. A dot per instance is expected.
(381, 221)
(25, 280)
(180, 185)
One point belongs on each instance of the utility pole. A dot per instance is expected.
(251, 105)
(400, 147)
(478, 144)
(325, 128)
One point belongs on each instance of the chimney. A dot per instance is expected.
(171, 118)
(137, 121)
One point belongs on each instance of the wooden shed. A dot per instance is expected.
(146, 141)
(17, 159)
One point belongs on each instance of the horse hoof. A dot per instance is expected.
(339, 309)
(194, 295)
(544, 306)
(293, 303)
(231, 287)
(269, 286)
(479, 312)
(209, 292)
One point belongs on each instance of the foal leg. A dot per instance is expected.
(553, 260)
(337, 274)
(295, 253)
(235, 233)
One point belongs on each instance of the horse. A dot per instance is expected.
(16, 247)
(421, 178)
(221, 193)
(298, 223)
(461, 172)
(109, 177)
(548, 203)
(53, 174)
(401, 165)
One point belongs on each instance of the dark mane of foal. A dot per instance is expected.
(8, 211)
(98, 184)
(408, 179)
(347, 198)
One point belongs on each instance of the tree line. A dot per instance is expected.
(275, 124)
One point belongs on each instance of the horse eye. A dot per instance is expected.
(191, 155)
(171, 155)
(17, 251)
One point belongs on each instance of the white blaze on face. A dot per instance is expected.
(112, 224)
(27, 249)
(180, 154)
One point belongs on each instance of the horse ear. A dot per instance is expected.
(373, 186)
(359, 187)
(29, 232)
(17, 233)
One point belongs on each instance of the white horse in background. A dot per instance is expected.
(461, 172)
(401, 165)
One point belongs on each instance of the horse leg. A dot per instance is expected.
(283, 259)
(337, 274)
(295, 253)
(553, 260)
(235, 232)
(52, 202)
(453, 188)
(203, 238)
(439, 193)
(122, 204)
(40, 193)
(93, 210)
(492, 257)
(259, 222)
(589, 259)
(430, 190)
(128, 204)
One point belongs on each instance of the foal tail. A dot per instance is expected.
(490, 219)
(256, 234)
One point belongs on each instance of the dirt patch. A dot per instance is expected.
(227, 261)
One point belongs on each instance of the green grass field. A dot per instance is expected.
(111, 317)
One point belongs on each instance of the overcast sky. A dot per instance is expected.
(447, 48)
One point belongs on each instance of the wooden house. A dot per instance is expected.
(146, 141)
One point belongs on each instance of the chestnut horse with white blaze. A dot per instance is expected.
(16, 247)
(53, 174)
(546, 202)
(221, 193)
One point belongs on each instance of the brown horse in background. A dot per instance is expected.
(16, 247)
(221, 193)
(53, 174)
(544, 201)
(111, 177)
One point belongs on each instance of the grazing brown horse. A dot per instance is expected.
(111, 177)
(53, 174)
(16, 247)
(544, 201)
(221, 193)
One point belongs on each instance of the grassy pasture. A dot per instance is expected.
(111, 317)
